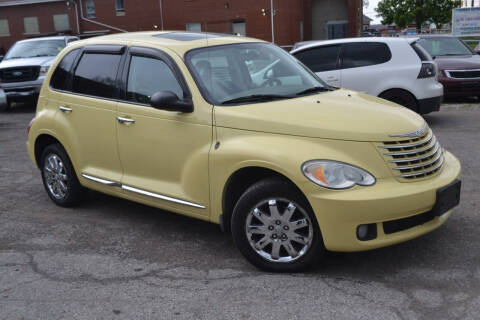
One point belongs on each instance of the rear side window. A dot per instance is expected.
(362, 54)
(320, 58)
(147, 76)
(96, 74)
(62, 73)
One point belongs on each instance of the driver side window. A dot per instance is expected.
(147, 76)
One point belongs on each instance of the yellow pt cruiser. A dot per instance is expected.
(237, 132)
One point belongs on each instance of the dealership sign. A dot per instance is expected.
(466, 21)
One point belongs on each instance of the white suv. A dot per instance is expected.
(396, 69)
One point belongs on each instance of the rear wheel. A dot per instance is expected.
(59, 177)
(402, 98)
(274, 227)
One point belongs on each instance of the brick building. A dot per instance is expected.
(293, 20)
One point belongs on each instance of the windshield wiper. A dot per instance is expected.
(257, 97)
(314, 89)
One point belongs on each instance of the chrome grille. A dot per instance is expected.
(413, 158)
(463, 74)
(20, 74)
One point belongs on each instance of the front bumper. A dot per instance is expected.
(429, 105)
(339, 213)
(460, 88)
(3, 98)
(20, 91)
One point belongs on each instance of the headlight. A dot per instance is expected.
(336, 175)
(44, 70)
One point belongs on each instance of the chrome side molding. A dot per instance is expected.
(142, 192)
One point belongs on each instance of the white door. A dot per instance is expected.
(324, 61)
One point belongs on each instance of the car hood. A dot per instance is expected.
(340, 115)
(458, 62)
(37, 61)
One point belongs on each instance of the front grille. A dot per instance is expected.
(20, 74)
(464, 74)
(393, 226)
(413, 158)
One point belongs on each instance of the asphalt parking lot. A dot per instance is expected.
(115, 259)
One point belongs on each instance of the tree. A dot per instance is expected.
(404, 12)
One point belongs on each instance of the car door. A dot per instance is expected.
(86, 115)
(362, 68)
(323, 60)
(164, 154)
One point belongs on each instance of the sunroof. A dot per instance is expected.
(186, 36)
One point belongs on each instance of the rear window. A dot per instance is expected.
(62, 73)
(96, 74)
(363, 54)
(320, 58)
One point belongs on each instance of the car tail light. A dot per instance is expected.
(30, 125)
(428, 70)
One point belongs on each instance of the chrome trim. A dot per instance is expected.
(414, 134)
(162, 197)
(418, 158)
(419, 165)
(401, 146)
(447, 72)
(438, 166)
(431, 145)
(65, 109)
(125, 120)
(102, 181)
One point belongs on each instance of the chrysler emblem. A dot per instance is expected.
(414, 134)
(17, 73)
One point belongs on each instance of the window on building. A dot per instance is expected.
(90, 8)
(4, 29)
(320, 58)
(194, 26)
(61, 22)
(120, 7)
(147, 76)
(239, 27)
(63, 71)
(96, 74)
(362, 54)
(30, 25)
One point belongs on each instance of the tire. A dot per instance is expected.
(59, 178)
(5, 107)
(258, 204)
(402, 98)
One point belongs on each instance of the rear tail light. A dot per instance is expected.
(30, 125)
(429, 70)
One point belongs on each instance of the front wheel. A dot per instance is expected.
(275, 229)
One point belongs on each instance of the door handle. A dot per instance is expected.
(65, 109)
(332, 78)
(123, 120)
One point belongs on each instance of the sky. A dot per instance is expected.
(370, 11)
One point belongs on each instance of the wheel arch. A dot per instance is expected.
(403, 90)
(239, 181)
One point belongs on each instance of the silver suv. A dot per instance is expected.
(25, 65)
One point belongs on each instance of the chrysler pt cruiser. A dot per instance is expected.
(237, 132)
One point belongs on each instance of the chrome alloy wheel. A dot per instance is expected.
(55, 176)
(279, 230)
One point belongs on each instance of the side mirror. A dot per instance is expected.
(167, 100)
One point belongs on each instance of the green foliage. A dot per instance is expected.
(404, 12)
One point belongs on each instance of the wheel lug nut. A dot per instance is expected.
(278, 222)
(270, 227)
(285, 228)
(274, 236)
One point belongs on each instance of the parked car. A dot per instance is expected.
(25, 65)
(459, 66)
(291, 166)
(395, 69)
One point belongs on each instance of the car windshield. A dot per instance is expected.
(37, 48)
(250, 72)
(445, 46)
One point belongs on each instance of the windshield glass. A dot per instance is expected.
(38, 48)
(445, 47)
(248, 71)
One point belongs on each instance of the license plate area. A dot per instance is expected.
(448, 197)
